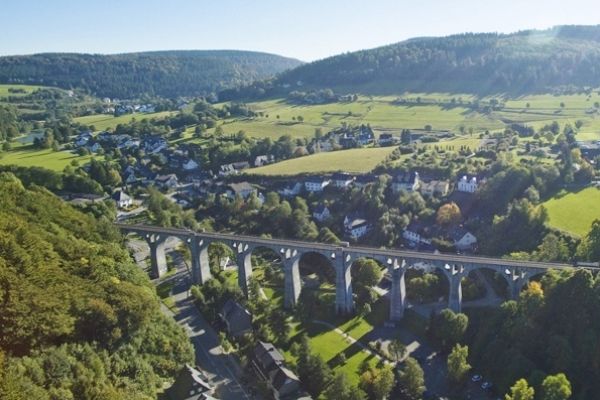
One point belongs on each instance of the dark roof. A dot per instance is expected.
(320, 209)
(164, 178)
(189, 385)
(236, 316)
(316, 179)
(366, 178)
(120, 195)
(341, 176)
(406, 177)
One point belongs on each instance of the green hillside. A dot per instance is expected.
(163, 73)
(78, 319)
(482, 63)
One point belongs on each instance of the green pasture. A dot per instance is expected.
(353, 160)
(106, 121)
(27, 156)
(575, 211)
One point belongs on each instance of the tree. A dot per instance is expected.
(412, 379)
(450, 327)
(341, 389)
(313, 372)
(448, 214)
(397, 349)
(556, 387)
(377, 382)
(458, 366)
(589, 248)
(367, 273)
(520, 391)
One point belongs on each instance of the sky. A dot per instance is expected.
(303, 29)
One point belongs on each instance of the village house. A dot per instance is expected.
(589, 150)
(316, 184)
(190, 384)
(321, 213)
(94, 147)
(291, 190)
(463, 240)
(190, 165)
(269, 365)
(467, 184)
(169, 181)
(417, 232)
(83, 139)
(342, 180)
(386, 139)
(434, 187)
(242, 189)
(356, 226)
(233, 168)
(122, 199)
(363, 180)
(408, 181)
(154, 144)
(259, 161)
(236, 318)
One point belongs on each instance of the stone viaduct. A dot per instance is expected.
(454, 267)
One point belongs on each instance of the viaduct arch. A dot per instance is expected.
(454, 267)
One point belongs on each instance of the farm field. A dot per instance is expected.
(353, 160)
(105, 121)
(47, 158)
(561, 210)
(28, 89)
(279, 117)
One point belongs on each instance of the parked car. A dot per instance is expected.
(486, 385)
(476, 378)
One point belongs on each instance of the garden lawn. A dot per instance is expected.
(354, 160)
(574, 212)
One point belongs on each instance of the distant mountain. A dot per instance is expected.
(164, 73)
(521, 62)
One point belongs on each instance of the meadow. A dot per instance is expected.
(574, 212)
(353, 160)
(278, 117)
(4, 90)
(105, 121)
(27, 156)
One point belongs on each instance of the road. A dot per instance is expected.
(222, 370)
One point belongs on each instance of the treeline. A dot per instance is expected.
(78, 319)
(168, 73)
(551, 329)
(484, 63)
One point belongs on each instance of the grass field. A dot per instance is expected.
(28, 90)
(279, 117)
(354, 160)
(26, 156)
(575, 211)
(105, 121)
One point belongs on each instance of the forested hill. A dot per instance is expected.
(526, 61)
(78, 319)
(164, 73)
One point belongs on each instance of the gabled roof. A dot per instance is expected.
(320, 209)
(164, 178)
(120, 195)
(316, 179)
(240, 187)
(342, 176)
(368, 178)
(406, 177)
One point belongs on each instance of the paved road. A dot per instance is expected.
(222, 370)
